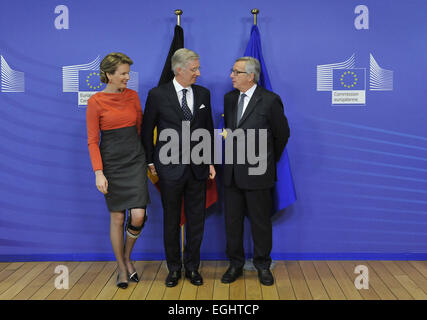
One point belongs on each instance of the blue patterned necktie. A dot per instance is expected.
(187, 112)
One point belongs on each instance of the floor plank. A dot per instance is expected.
(221, 290)
(189, 290)
(148, 274)
(299, 284)
(37, 282)
(100, 281)
(252, 285)
(110, 289)
(74, 277)
(4, 274)
(175, 292)
(3, 265)
(283, 283)
(395, 287)
(238, 289)
(158, 287)
(207, 270)
(413, 274)
(24, 281)
(349, 268)
(413, 289)
(346, 284)
(45, 285)
(15, 273)
(314, 283)
(378, 284)
(85, 281)
(421, 266)
(15, 265)
(330, 284)
(269, 292)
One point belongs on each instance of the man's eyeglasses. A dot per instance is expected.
(237, 72)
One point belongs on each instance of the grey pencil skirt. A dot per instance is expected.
(125, 168)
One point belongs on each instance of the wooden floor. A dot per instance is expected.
(302, 280)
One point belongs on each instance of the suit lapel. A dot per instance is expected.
(173, 98)
(256, 97)
(233, 108)
(196, 102)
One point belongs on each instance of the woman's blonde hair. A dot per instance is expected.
(110, 63)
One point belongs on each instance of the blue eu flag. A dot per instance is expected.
(284, 193)
(89, 80)
(349, 79)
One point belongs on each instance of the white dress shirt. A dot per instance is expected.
(248, 97)
(189, 96)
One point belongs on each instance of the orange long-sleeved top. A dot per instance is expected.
(106, 111)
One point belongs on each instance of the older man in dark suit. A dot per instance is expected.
(173, 106)
(248, 107)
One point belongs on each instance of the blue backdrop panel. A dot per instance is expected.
(360, 168)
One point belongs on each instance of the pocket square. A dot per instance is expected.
(202, 106)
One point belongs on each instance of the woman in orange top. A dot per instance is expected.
(119, 161)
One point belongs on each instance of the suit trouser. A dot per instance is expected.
(194, 193)
(258, 205)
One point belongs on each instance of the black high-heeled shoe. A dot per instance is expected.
(121, 284)
(133, 277)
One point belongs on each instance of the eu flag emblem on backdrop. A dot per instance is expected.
(284, 191)
(349, 79)
(89, 80)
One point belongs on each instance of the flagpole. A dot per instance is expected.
(178, 13)
(249, 262)
(255, 12)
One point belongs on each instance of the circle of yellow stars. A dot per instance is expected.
(352, 83)
(88, 82)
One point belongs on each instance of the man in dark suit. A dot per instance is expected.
(172, 106)
(250, 107)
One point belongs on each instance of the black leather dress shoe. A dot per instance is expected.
(231, 274)
(265, 277)
(195, 277)
(172, 278)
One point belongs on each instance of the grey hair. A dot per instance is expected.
(251, 66)
(181, 57)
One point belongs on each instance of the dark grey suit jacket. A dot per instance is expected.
(264, 111)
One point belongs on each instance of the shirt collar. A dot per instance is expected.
(250, 91)
(178, 87)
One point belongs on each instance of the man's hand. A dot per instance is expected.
(212, 172)
(152, 169)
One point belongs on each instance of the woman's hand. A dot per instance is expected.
(212, 172)
(101, 182)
